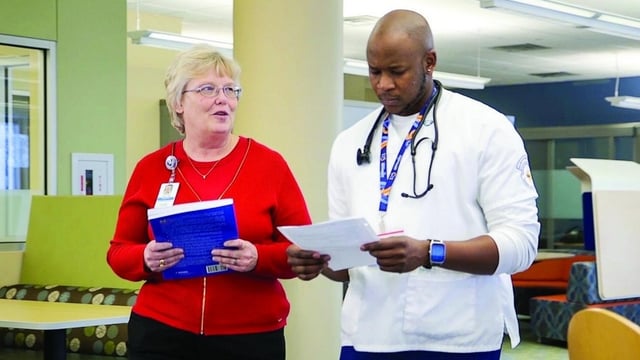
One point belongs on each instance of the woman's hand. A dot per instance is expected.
(239, 255)
(159, 256)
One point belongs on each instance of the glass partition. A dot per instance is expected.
(550, 150)
(23, 131)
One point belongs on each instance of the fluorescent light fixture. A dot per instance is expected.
(593, 20)
(627, 102)
(351, 66)
(174, 41)
(359, 67)
(356, 67)
(461, 81)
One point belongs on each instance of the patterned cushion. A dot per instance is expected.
(628, 309)
(102, 340)
(583, 284)
(550, 315)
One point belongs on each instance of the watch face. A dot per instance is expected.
(437, 253)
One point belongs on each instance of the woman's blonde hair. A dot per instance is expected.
(190, 64)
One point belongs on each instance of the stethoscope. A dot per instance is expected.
(364, 155)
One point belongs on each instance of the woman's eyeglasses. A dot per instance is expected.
(231, 92)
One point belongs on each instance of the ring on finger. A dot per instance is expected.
(235, 261)
(161, 262)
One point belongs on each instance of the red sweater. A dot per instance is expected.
(265, 195)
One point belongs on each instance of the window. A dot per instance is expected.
(26, 120)
(550, 151)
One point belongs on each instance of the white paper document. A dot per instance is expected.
(341, 239)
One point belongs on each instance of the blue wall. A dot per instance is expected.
(561, 104)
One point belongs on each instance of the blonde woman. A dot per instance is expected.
(236, 314)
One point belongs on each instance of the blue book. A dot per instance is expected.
(197, 228)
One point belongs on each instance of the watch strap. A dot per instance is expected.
(427, 263)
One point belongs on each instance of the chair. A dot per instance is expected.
(601, 334)
(551, 314)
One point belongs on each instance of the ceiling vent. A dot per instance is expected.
(519, 47)
(553, 74)
(361, 20)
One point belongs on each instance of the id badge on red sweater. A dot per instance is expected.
(167, 194)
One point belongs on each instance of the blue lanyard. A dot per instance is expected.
(386, 182)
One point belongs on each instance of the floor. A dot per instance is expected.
(530, 349)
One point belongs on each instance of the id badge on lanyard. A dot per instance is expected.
(168, 191)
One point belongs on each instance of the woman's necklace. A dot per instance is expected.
(204, 176)
(233, 179)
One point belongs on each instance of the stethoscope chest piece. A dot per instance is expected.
(363, 156)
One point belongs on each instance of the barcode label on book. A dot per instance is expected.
(212, 269)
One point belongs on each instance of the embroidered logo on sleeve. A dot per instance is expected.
(525, 172)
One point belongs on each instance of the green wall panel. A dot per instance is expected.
(92, 95)
(33, 18)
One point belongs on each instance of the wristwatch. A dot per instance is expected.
(437, 253)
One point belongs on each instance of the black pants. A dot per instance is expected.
(152, 340)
